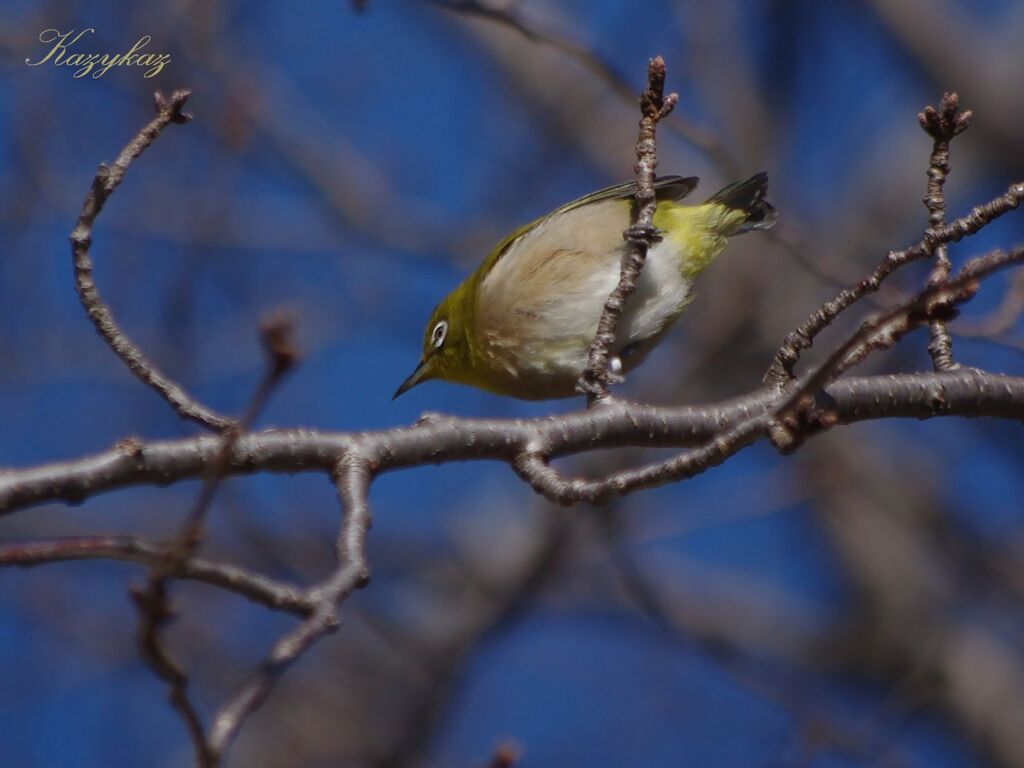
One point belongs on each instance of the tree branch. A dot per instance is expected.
(936, 302)
(640, 236)
(942, 125)
(447, 439)
(352, 477)
(781, 370)
(132, 549)
(106, 181)
(152, 598)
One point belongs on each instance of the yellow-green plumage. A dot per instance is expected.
(522, 323)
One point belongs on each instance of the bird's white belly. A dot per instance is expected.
(661, 293)
(559, 344)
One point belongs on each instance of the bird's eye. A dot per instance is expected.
(437, 336)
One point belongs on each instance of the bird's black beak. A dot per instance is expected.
(417, 377)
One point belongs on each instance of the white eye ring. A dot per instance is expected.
(437, 336)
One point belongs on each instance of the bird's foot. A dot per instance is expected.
(648, 236)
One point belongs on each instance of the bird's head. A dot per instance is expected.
(446, 352)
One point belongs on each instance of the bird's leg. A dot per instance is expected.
(648, 236)
(615, 377)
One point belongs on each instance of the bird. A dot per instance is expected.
(522, 323)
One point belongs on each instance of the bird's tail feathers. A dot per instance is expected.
(749, 196)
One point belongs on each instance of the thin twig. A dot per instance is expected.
(132, 549)
(105, 182)
(154, 612)
(942, 125)
(937, 301)
(640, 236)
(1003, 318)
(533, 467)
(151, 599)
(781, 372)
(996, 328)
(281, 355)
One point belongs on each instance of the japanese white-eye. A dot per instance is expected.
(523, 322)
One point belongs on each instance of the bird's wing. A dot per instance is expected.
(665, 188)
(555, 278)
